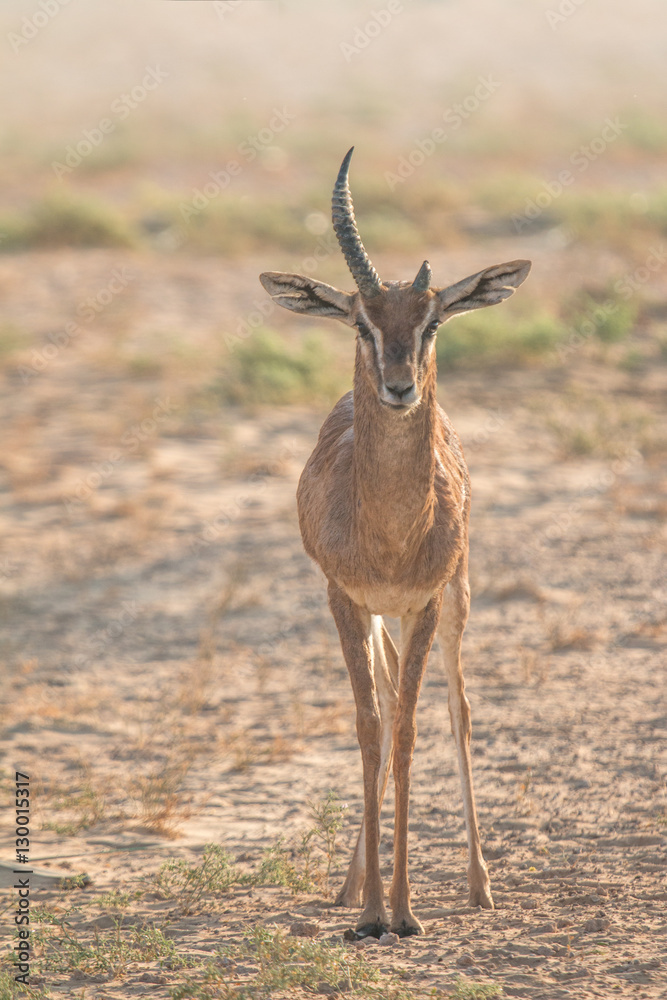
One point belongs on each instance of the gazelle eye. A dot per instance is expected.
(364, 332)
(431, 329)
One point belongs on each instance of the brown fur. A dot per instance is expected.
(375, 504)
(384, 505)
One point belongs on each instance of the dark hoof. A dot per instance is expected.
(368, 930)
(406, 930)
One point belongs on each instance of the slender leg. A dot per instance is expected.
(417, 633)
(455, 609)
(354, 629)
(385, 668)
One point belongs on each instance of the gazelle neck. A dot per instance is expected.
(394, 461)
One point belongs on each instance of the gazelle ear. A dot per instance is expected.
(486, 288)
(305, 295)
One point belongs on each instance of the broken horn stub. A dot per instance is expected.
(422, 282)
(342, 214)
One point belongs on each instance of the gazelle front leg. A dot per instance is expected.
(385, 670)
(354, 629)
(417, 633)
(455, 609)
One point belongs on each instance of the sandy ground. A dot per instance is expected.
(171, 666)
(170, 675)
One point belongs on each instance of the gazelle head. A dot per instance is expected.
(396, 320)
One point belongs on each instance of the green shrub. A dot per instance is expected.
(277, 868)
(233, 225)
(187, 884)
(65, 220)
(264, 369)
(644, 130)
(279, 962)
(476, 991)
(490, 337)
(612, 319)
(11, 340)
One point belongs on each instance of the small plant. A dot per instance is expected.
(109, 952)
(188, 884)
(594, 425)
(42, 914)
(118, 900)
(64, 220)
(264, 369)
(609, 318)
(618, 324)
(314, 855)
(483, 339)
(276, 867)
(88, 805)
(644, 130)
(328, 815)
(230, 226)
(212, 984)
(159, 793)
(77, 881)
(11, 990)
(243, 751)
(475, 991)
(277, 961)
(11, 341)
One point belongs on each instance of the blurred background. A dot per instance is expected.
(169, 666)
(480, 132)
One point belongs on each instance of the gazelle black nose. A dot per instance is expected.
(401, 391)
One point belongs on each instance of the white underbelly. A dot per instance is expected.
(388, 599)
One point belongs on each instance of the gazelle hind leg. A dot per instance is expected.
(386, 679)
(452, 623)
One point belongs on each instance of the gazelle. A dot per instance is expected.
(384, 503)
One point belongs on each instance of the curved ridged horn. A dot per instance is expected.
(342, 214)
(422, 282)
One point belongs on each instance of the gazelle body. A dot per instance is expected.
(384, 504)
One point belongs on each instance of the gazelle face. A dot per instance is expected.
(396, 326)
(396, 333)
(396, 320)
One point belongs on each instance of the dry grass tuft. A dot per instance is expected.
(163, 803)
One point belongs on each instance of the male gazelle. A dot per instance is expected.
(384, 503)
